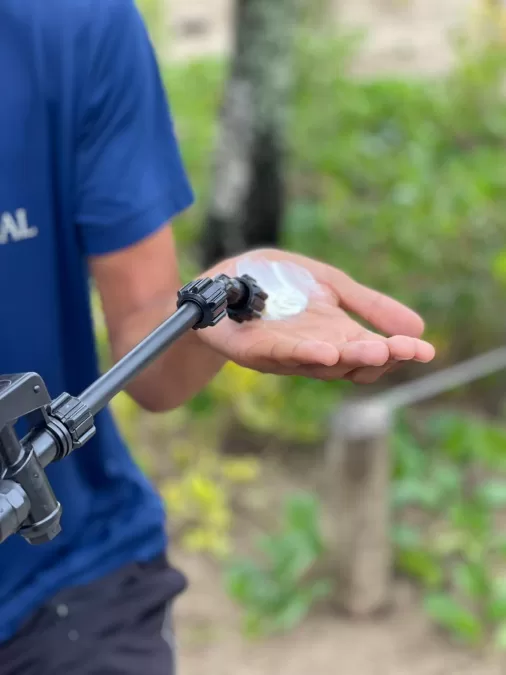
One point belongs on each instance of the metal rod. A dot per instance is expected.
(98, 395)
(14, 502)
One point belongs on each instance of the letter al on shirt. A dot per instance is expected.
(14, 227)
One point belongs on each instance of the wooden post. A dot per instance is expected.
(358, 461)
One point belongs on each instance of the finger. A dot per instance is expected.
(354, 355)
(364, 353)
(403, 348)
(313, 351)
(338, 372)
(371, 374)
(291, 351)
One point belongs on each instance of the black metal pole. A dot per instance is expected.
(14, 502)
(27, 503)
(98, 394)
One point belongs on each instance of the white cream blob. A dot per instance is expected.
(289, 286)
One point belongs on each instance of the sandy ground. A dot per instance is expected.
(403, 36)
(400, 644)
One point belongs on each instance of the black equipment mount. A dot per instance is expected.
(28, 505)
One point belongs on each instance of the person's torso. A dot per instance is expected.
(110, 512)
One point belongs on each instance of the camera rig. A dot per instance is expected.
(28, 505)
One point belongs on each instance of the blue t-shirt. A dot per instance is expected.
(89, 164)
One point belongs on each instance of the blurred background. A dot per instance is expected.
(370, 134)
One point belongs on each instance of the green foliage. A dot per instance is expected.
(287, 408)
(401, 183)
(448, 613)
(277, 595)
(195, 90)
(154, 13)
(409, 174)
(398, 181)
(449, 494)
(199, 495)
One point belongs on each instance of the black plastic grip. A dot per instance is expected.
(211, 298)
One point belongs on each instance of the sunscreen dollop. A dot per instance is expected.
(289, 286)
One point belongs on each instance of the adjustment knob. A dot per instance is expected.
(211, 297)
(251, 303)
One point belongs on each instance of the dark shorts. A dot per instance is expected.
(120, 624)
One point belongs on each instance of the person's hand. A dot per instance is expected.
(324, 341)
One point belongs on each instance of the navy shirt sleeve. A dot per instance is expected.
(130, 178)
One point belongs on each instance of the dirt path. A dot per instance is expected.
(403, 37)
(400, 644)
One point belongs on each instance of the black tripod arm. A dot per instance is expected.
(27, 502)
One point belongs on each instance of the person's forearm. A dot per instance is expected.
(178, 374)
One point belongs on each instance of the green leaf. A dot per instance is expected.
(201, 404)
(473, 579)
(291, 555)
(410, 460)
(292, 614)
(246, 583)
(318, 590)
(449, 543)
(421, 565)
(499, 267)
(415, 492)
(253, 625)
(496, 607)
(498, 545)
(451, 432)
(301, 513)
(450, 615)
(492, 494)
(500, 637)
(448, 479)
(471, 517)
(406, 537)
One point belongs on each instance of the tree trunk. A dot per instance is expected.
(248, 198)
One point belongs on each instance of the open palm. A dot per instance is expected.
(324, 341)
